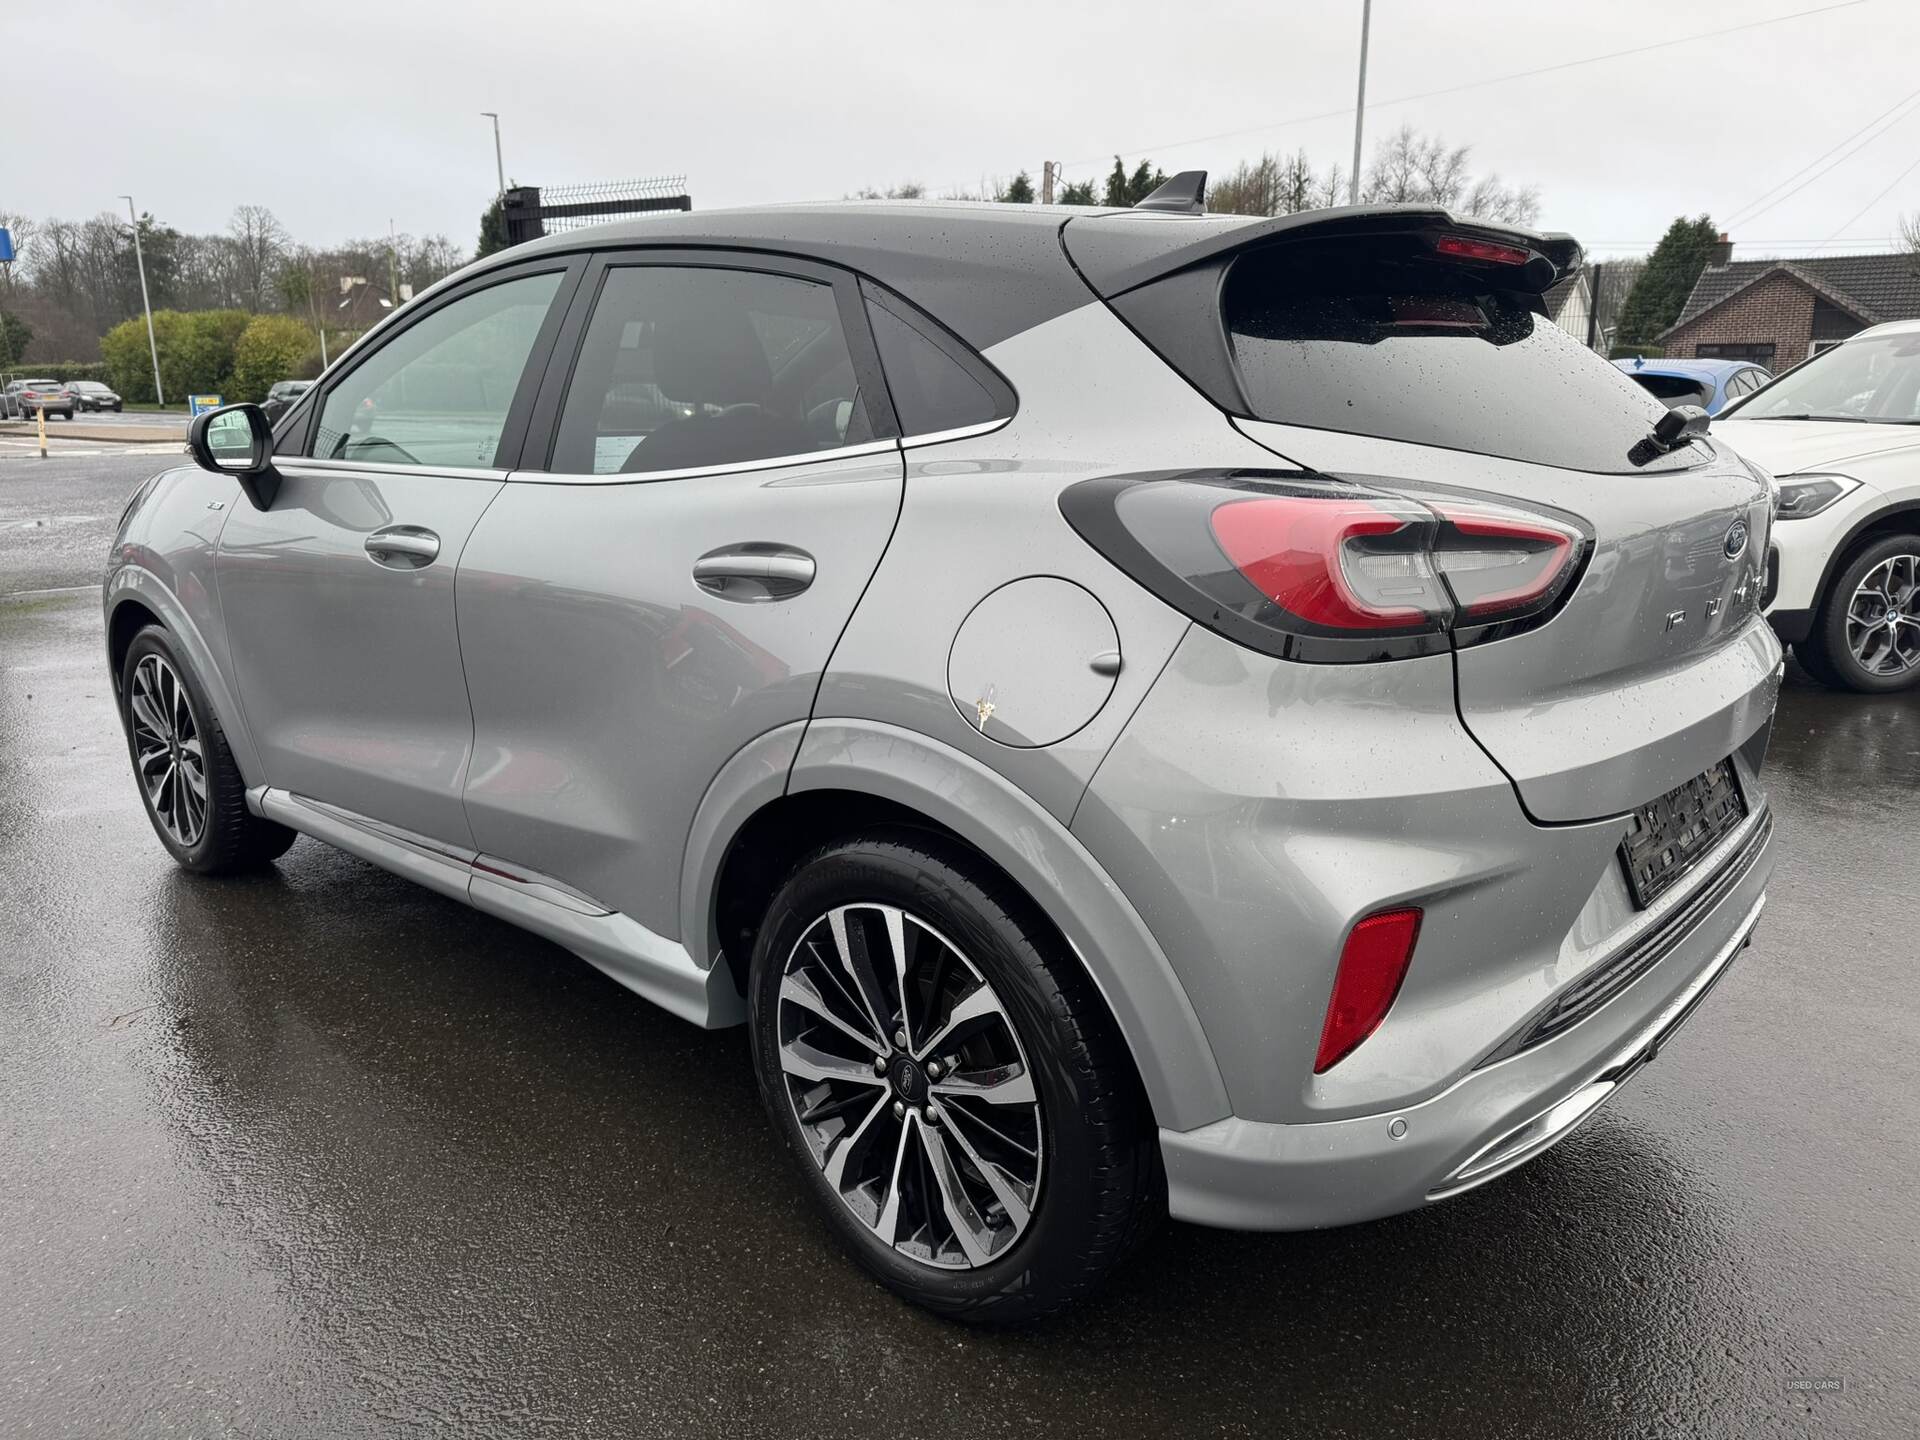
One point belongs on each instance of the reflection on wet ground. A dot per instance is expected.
(318, 1152)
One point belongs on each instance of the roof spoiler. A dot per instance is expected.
(1184, 194)
(1117, 253)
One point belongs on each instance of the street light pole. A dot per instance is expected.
(499, 166)
(1360, 103)
(140, 263)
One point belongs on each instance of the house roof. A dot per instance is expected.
(1874, 288)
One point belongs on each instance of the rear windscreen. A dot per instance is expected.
(1376, 338)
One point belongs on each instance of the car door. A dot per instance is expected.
(667, 580)
(339, 596)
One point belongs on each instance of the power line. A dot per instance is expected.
(1741, 214)
(1881, 196)
(1475, 84)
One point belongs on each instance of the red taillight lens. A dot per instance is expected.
(1465, 247)
(1372, 965)
(1345, 563)
(1499, 565)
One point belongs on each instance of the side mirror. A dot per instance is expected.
(237, 440)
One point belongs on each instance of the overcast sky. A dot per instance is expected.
(341, 115)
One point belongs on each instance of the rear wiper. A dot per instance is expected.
(1681, 425)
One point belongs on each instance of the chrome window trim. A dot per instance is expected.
(964, 432)
(303, 464)
(771, 462)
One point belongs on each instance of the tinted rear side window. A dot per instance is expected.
(687, 367)
(937, 383)
(1377, 338)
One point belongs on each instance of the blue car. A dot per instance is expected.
(1709, 384)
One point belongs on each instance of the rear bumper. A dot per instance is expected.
(1243, 1174)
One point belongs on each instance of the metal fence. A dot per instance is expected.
(532, 211)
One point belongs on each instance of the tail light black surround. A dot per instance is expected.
(1333, 570)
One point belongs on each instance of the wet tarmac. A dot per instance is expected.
(318, 1153)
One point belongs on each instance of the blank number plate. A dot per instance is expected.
(1669, 835)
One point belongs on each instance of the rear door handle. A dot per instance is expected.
(754, 572)
(403, 547)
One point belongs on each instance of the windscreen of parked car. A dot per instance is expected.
(685, 367)
(1377, 337)
(1672, 390)
(438, 392)
(1871, 379)
(89, 387)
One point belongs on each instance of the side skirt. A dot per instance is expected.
(651, 965)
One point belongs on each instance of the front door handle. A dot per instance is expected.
(754, 572)
(403, 547)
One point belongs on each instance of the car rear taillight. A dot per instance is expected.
(1312, 568)
(1344, 563)
(1465, 247)
(1373, 962)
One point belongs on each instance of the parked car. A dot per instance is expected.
(1842, 433)
(92, 395)
(1710, 384)
(1238, 717)
(27, 398)
(281, 395)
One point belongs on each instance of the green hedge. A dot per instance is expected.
(64, 371)
(208, 352)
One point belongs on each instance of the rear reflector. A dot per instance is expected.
(1372, 965)
(1465, 247)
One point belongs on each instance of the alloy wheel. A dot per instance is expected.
(910, 1086)
(1883, 617)
(168, 756)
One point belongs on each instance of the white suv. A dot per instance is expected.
(1842, 434)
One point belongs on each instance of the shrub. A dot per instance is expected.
(65, 371)
(123, 350)
(198, 352)
(270, 349)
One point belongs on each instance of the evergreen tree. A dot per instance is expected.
(1018, 191)
(493, 228)
(1660, 293)
(1125, 190)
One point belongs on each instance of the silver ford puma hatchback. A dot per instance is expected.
(1135, 711)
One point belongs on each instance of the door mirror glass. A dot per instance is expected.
(230, 440)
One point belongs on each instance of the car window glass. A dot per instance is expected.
(932, 391)
(684, 367)
(1380, 338)
(438, 393)
(1864, 379)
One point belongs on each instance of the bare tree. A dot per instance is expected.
(1411, 168)
(259, 242)
(1273, 185)
(1910, 237)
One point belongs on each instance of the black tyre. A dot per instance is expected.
(1867, 635)
(955, 1095)
(188, 782)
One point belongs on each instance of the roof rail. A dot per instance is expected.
(1184, 194)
